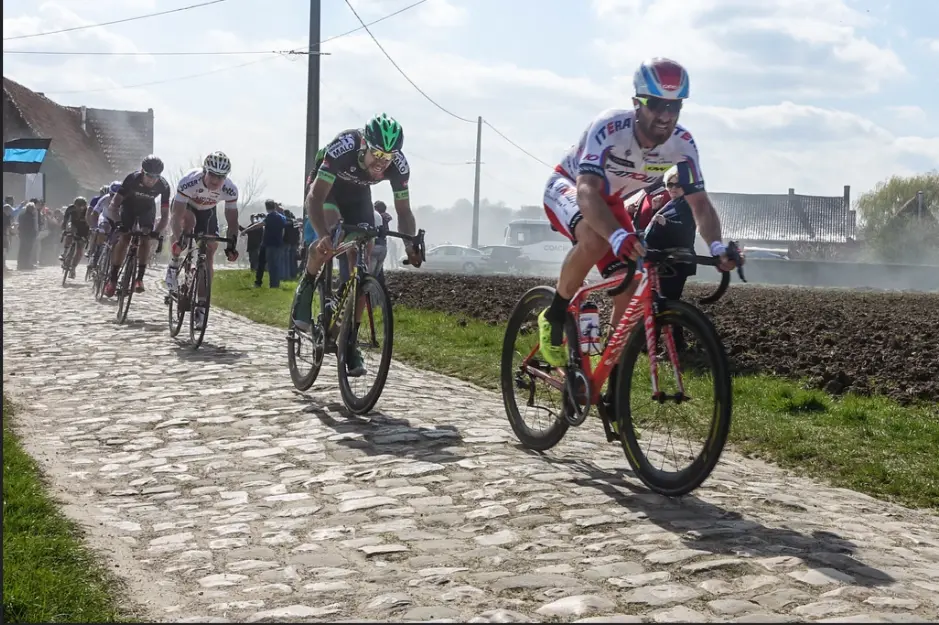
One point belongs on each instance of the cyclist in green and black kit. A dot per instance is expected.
(340, 187)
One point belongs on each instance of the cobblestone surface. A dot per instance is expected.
(225, 495)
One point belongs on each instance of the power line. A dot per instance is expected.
(431, 100)
(401, 71)
(121, 21)
(517, 146)
(228, 67)
(214, 53)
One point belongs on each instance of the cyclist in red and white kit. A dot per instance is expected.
(621, 152)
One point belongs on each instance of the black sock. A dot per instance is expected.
(557, 315)
(141, 270)
(114, 270)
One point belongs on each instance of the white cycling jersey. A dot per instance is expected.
(105, 210)
(609, 149)
(192, 190)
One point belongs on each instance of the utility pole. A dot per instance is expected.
(313, 89)
(479, 152)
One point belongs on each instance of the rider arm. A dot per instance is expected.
(399, 186)
(315, 199)
(591, 199)
(231, 212)
(164, 205)
(692, 183)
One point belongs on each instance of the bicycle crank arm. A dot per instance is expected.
(662, 397)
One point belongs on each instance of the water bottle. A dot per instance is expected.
(589, 328)
(171, 269)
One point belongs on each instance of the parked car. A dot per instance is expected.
(453, 259)
(504, 259)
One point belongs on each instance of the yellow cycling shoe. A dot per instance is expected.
(554, 355)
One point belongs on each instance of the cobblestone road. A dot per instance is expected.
(223, 494)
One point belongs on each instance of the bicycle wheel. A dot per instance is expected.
(377, 319)
(702, 347)
(101, 272)
(313, 341)
(67, 262)
(175, 311)
(125, 287)
(523, 323)
(200, 279)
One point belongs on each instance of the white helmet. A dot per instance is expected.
(217, 163)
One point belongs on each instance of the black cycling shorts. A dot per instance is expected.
(354, 204)
(131, 212)
(206, 221)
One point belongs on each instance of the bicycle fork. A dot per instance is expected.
(652, 310)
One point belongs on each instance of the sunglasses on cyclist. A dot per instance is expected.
(673, 185)
(380, 155)
(657, 105)
(216, 176)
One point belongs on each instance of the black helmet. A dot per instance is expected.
(152, 165)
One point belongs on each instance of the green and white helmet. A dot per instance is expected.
(384, 133)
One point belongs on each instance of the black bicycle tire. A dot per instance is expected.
(98, 284)
(363, 405)
(174, 314)
(303, 382)
(691, 477)
(531, 300)
(125, 284)
(67, 261)
(202, 272)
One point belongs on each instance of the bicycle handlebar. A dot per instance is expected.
(206, 237)
(371, 231)
(681, 256)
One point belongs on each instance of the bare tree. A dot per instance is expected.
(250, 187)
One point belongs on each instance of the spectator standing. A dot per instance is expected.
(272, 245)
(380, 248)
(254, 235)
(292, 243)
(28, 223)
(7, 232)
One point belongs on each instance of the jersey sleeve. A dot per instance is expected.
(689, 168)
(600, 138)
(230, 195)
(164, 193)
(128, 185)
(336, 155)
(399, 173)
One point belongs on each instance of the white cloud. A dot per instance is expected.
(765, 141)
(808, 48)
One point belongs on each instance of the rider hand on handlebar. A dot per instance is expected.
(626, 245)
(414, 256)
(231, 253)
(727, 263)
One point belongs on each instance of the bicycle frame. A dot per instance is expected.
(641, 306)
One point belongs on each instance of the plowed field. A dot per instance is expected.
(839, 340)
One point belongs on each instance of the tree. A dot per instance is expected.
(878, 206)
(250, 187)
(893, 227)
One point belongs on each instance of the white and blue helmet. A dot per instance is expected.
(661, 78)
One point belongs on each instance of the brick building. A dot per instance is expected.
(90, 147)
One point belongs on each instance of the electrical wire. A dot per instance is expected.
(229, 67)
(515, 145)
(216, 53)
(120, 21)
(401, 71)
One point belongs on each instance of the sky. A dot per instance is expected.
(808, 94)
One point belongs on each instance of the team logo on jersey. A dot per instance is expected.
(189, 184)
(346, 143)
(611, 128)
(657, 167)
(401, 163)
(625, 162)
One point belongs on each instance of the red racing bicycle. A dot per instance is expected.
(630, 365)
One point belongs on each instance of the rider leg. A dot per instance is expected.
(146, 221)
(590, 248)
(124, 226)
(303, 311)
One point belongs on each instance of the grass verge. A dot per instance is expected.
(869, 444)
(49, 576)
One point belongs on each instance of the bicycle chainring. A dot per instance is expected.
(576, 397)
